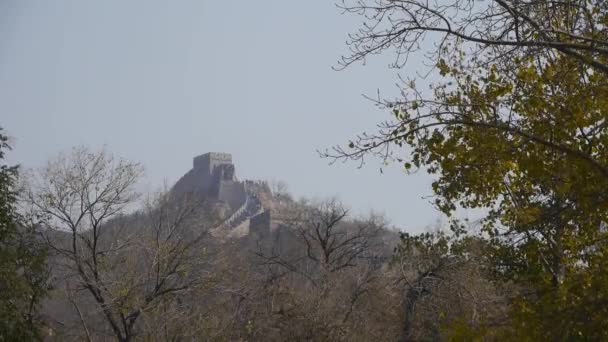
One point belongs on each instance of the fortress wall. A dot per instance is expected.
(201, 177)
(260, 224)
(209, 161)
(196, 180)
(232, 193)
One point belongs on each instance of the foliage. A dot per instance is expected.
(22, 263)
(448, 291)
(153, 273)
(517, 128)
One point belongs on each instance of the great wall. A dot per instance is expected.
(244, 205)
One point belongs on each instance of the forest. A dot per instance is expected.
(511, 121)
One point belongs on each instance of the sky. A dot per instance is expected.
(160, 82)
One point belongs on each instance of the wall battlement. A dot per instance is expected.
(209, 161)
(213, 176)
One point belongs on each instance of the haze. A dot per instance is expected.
(163, 81)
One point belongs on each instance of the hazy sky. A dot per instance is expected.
(162, 81)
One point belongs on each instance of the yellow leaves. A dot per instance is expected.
(566, 313)
(528, 215)
(564, 187)
(123, 292)
(443, 67)
(461, 330)
(510, 165)
(183, 271)
(527, 74)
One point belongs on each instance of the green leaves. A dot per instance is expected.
(23, 271)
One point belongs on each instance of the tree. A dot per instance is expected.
(321, 274)
(494, 30)
(128, 264)
(280, 192)
(446, 287)
(23, 272)
(516, 125)
(172, 262)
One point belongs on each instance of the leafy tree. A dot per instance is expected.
(517, 126)
(22, 263)
(447, 291)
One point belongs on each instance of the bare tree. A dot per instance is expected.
(280, 192)
(331, 243)
(172, 262)
(328, 241)
(127, 263)
(321, 272)
(498, 28)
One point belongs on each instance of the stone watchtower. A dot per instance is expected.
(213, 175)
(209, 161)
(239, 203)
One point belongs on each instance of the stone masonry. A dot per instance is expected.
(213, 176)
